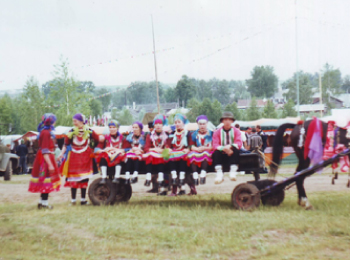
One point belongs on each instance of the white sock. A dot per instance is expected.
(182, 175)
(135, 174)
(173, 174)
(160, 177)
(148, 176)
(182, 187)
(127, 175)
(40, 201)
(218, 168)
(219, 173)
(233, 168)
(118, 168)
(203, 173)
(45, 202)
(83, 200)
(104, 172)
(195, 175)
(73, 200)
(162, 189)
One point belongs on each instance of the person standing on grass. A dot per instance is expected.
(227, 142)
(201, 149)
(45, 174)
(113, 154)
(263, 137)
(255, 146)
(22, 152)
(154, 156)
(78, 164)
(179, 145)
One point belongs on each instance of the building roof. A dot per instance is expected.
(311, 107)
(244, 103)
(153, 107)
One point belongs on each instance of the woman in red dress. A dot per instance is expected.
(45, 175)
(78, 164)
(113, 153)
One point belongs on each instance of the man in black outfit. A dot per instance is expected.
(22, 152)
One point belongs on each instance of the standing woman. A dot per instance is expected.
(113, 154)
(201, 149)
(179, 143)
(156, 143)
(78, 164)
(136, 141)
(45, 175)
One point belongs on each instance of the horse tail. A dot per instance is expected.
(277, 148)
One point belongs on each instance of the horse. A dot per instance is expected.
(296, 135)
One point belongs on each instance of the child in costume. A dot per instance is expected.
(136, 141)
(155, 149)
(201, 149)
(78, 163)
(45, 174)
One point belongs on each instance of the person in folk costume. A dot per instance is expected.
(201, 149)
(156, 143)
(113, 153)
(78, 163)
(45, 174)
(179, 143)
(227, 142)
(136, 141)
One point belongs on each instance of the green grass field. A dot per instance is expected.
(203, 227)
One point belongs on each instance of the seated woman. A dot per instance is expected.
(201, 149)
(136, 141)
(156, 142)
(78, 164)
(179, 143)
(112, 154)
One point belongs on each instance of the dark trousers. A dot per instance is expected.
(195, 168)
(221, 158)
(178, 166)
(44, 196)
(132, 165)
(23, 163)
(155, 168)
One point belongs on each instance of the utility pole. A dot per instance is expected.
(155, 66)
(296, 57)
(320, 86)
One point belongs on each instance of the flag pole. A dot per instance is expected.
(155, 66)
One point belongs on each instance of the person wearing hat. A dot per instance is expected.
(227, 142)
(78, 163)
(136, 142)
(112, 154)
(154, 156)
(201, 149)
(179, 145)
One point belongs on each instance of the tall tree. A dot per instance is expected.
(305, 88)
(240, 90)
(288, 109)
(5, 114)
(234, 110)
(105, 99)
(331, 83)
(216, 112)
(269, 110)
(170, 95)
(263, 82)
(221, 91)
(125, 117)
(185, 90)
(253, 112)
(346, 84)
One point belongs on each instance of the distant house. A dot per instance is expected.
(166, 107)
(245, 103)
(311, 108)
(336, 102)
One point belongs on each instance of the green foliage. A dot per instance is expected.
(114, 113)
(346, 84)
(263, 82)
(95, 108)
(143, 93)
(331, 84)
(240, 90)
(305, 88)
(104, 100)
(212, 110)
(234, 110)
(253, 112)
(185, 90)
(269, 110)
(288, 109)
(170, 95)
(5, 115)
(124, 117)
(221, 90)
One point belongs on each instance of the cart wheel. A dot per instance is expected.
(124, 191)
(274, 198)
(102, 194)
(245, 197)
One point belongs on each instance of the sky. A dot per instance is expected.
(110, 42)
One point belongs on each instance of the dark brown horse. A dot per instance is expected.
(299, 151)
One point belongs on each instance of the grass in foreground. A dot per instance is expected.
(204, 227)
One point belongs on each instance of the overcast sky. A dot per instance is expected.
(188, 33)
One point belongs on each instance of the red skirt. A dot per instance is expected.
(112, 159)
(133, 156)
(178, 156)
(43, 181)
(197, 158)
(153, 158)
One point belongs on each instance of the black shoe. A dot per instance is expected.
(182, 192)
(202, 180)
(115, 180)
(41, 206)
(152, 191)
(196, 182)
(134, 180)
(83, 203)
(163, 193)
(147, 183)
(103, 181)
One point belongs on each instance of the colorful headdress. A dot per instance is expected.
(139, 124)
(47, 122)
(80, 117)
(160, 119)
(182, 118)
(202, 118)
(114, 122)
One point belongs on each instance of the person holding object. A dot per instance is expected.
(227, 142)
(78, 157)
(201, 149)
(112, 154)
(45, 174)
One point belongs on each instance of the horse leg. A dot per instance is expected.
(303, 200)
